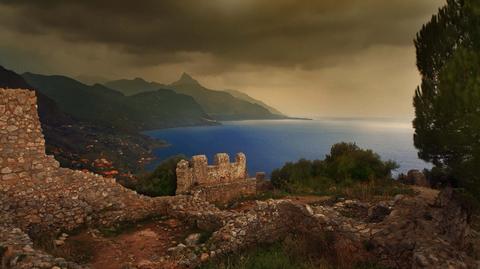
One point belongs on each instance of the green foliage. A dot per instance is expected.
(295, 252)
(439, 177)
(273, 257)
(347, 168)
(447, 114)
(162, 181)
(348, 161)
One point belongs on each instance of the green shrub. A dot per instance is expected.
(162, 181)
(348, 161)
(347, 166)
(276, 256)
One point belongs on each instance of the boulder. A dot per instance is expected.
(378, 212)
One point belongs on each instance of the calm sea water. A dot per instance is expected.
(268, 144)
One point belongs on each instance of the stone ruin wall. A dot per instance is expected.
(220, 182)
(199, 173)
(38, 194)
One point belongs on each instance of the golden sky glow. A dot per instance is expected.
(307, 58)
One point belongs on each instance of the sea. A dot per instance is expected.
(269, 144)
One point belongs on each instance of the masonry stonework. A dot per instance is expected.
(220, 182)
(39, 194)
(199, 173)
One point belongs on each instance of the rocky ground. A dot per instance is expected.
(424, 231)
(143, 246)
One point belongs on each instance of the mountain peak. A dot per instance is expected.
(186, 79)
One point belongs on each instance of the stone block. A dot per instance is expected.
(222, 159)
(6, 170)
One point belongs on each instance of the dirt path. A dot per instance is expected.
(143, 247)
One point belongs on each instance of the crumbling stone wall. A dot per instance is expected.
(220, 182)
(412, 235)
(199, 173)
(38, 194)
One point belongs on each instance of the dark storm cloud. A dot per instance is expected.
(304, 33)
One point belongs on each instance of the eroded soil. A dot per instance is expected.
(144, 246)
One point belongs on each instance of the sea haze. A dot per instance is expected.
(268, 144)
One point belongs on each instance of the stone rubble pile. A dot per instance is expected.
(415, 234)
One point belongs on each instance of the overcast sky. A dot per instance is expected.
(313, 58)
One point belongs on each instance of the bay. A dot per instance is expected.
(268, 144)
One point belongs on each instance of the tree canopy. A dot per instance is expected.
(447, 103)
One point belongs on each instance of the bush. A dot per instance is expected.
(347, 164)
(162, 181)
(347, 161)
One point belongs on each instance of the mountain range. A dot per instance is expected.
(219, 105)
(97, 103)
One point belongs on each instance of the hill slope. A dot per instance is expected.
(248, 98)
(47, 109)
(168, 107)
(79, 144)
(100, 104)
(221, 105)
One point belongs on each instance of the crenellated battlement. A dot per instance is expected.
(198, 172)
